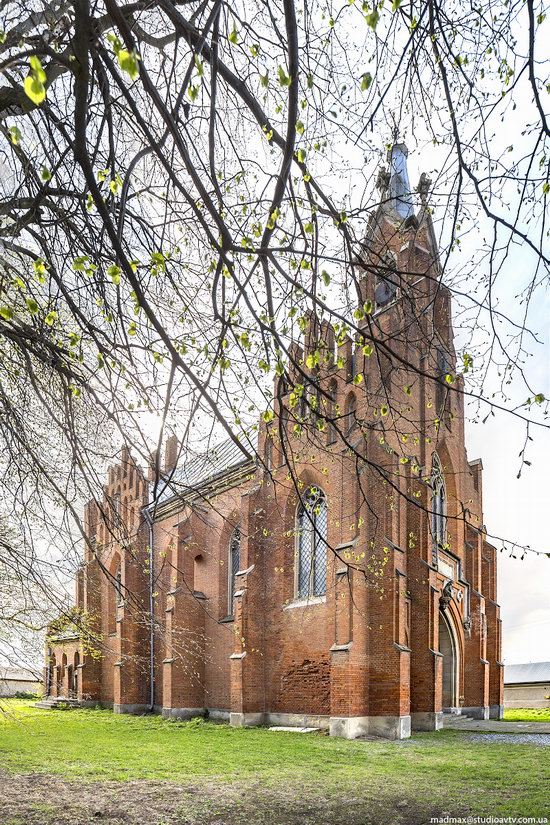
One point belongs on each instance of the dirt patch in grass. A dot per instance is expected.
(42, 799)
(86, 766)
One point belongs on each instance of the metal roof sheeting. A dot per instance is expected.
(528, 672)
(204, 468)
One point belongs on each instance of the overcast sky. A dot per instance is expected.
(519, 509)
(514, 509)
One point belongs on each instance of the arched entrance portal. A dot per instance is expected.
(448, 649)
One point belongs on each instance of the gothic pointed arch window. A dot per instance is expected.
(385, 282)
(311, 567)
(438, 505)
(234, 563)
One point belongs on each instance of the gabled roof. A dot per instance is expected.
(205, 468)
(527, 672)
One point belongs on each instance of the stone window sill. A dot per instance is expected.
(311, 600)
(341, 648)
(226, 619)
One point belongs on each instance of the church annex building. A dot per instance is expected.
(357, 594)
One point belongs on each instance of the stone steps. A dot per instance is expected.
(53, 702)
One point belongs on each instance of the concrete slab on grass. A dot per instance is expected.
(287, 728)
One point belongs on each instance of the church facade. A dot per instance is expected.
(339, 576)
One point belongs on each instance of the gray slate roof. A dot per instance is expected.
(528, 672)
(205, 468)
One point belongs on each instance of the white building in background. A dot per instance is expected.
(527, 685)
(15, 680)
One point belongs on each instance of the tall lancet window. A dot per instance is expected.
(385, 282)
(438, 505)
(311, 578)
(234, 562)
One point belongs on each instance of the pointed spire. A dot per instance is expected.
(399, 193)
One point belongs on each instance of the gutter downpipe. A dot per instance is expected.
(151, 706)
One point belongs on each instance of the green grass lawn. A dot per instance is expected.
(527, 715)
(434, 773)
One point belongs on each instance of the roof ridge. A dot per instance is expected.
(208, 465)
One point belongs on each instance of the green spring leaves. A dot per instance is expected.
(539, 399)
(467, 362)
(372, 18)
(284, 79)
(366, 81)
(34, 84)
(15, 135)
(6, 313)
(114, 272)
(128, 61)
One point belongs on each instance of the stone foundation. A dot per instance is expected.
(298, 720)
(427, 721)
(387, 727)
(182, 713)
(241, 720)
(135, 710)
(477, 712)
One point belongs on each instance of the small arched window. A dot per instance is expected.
(52, 675)
(331, 412)
(352, 361)
(303, 409)
(200, 575)
(76, 665)
(439, 504)
(118, 585)
(269, 452)
(350, 412)
(234, 563)
(311, 579)
(116, 505)
(114, 596)
(335, 350)
(442, 393)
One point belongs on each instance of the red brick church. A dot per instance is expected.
(339, 575)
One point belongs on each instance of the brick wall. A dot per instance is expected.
(370, 645)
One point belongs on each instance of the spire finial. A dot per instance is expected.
(399, 186)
